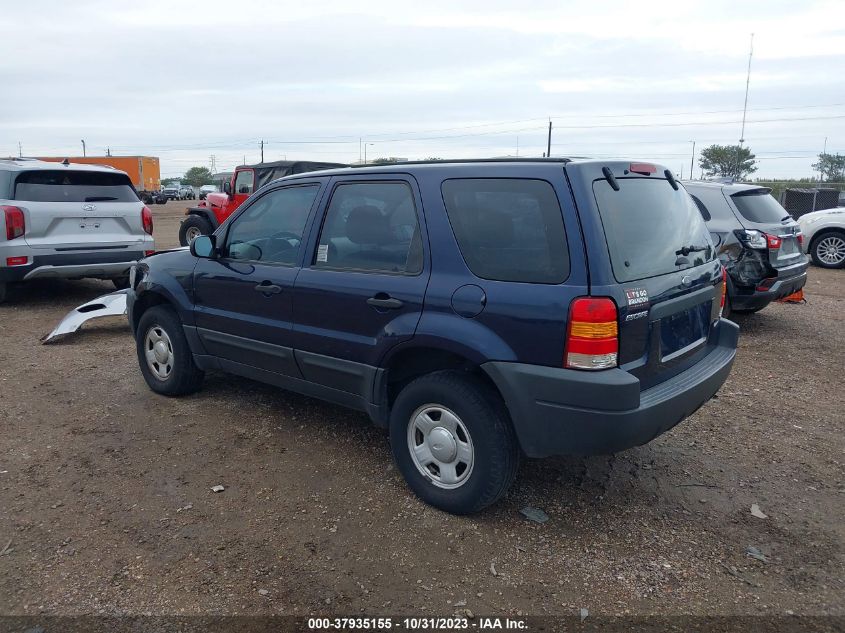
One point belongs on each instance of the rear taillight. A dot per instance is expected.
(17, 261)
(15, 222)
(773, 241)
(724, 289)
(147, 220)
(592, 334)
(800, 238)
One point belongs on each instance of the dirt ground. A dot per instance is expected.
(106, 503)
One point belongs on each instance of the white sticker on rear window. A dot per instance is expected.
(323, 253)
(636, 296)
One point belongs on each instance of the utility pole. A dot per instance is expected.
(83, 148)
(744, 108)
(108, 151)
(821, 161)
(517, 146)
(549, 142)
(747, 82)
(262, 150)
(359, 149)
(20, 149)
(213, 160)
(692, 160)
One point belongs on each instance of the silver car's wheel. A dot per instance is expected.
(831, 250)
(158, 350)
(192, 233)
(440, 446)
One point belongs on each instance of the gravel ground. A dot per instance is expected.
(106, 503)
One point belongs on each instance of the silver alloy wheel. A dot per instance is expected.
(191, 234)
(831, 250)
(158, 350)
(440, 446)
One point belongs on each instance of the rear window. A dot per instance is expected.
(757, 205)
(508, 229)
(646, 224)
(74, 186)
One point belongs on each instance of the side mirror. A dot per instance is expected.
(227, 188)
(203, 246)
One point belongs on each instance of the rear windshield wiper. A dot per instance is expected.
(99, 198)
(692, 248)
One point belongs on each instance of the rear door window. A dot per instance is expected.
(647, 223)
(371, 226)
(757, 205)
(74, 186)
(508, 229)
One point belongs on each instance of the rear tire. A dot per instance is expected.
(164, 356)
(453, 441)
(192, 228)
(828, 249)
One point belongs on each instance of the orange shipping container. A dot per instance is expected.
(144, 171)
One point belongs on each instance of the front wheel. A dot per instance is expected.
(164, 355)
(828, 249)
(192, 228)
(453, 442)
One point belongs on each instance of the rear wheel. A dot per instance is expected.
(828, 249)
(163, 354)
(453, 441)
(192, 228)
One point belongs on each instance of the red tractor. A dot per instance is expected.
(210, 213)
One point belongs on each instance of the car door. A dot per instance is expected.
(243, 302)
(362, 290)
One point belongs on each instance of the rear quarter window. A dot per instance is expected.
(74, 186)
(508, 229)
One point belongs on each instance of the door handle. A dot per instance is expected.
(267, 289)
(384, 301)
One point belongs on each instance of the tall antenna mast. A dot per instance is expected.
(747, 81)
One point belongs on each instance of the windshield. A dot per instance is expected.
(757, 205)
(74, 186)
(649, 227)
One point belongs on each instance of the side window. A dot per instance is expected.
(270, 230)
(508, 229)
(371, 226)
(245, 181)
(701, 208)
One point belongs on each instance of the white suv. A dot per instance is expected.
(61, 220)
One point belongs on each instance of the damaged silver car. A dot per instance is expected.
(759, 243)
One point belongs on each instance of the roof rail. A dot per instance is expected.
(466, 160)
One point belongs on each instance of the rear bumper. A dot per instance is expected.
(787, 281)
(566, 412)
(105, 265)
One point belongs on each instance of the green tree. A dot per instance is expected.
(727, 161)
(197, 176)
(383, 161)
(831, 167)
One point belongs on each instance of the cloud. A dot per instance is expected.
(183, 80)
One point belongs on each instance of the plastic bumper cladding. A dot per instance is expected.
(567, 412)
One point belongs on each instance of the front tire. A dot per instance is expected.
(453, 441)
(192, 228)
(163, 354)
(828, 249)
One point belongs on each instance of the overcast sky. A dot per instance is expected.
(187, 80)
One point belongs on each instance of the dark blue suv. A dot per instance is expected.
(481, 310)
